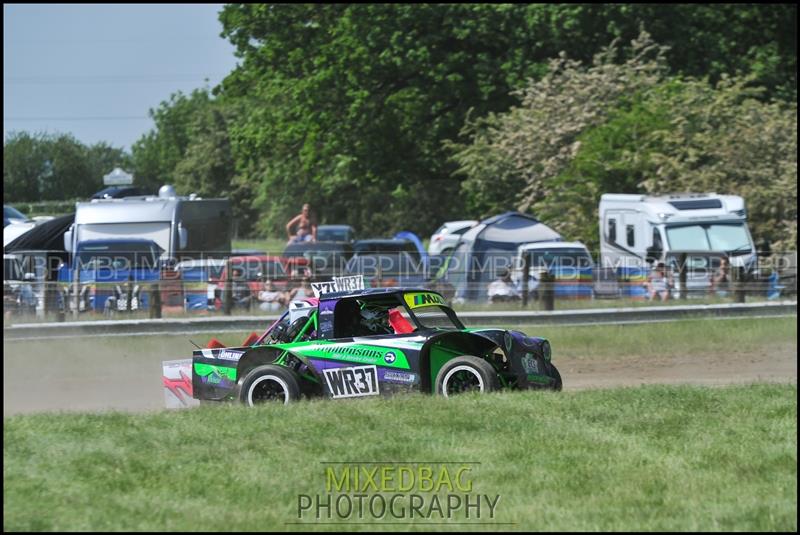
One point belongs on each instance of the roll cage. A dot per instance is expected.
(331, 318)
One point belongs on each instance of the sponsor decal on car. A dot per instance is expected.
(229, 354)
(530, 364)
(352, 382)
(399, 377)
(360, 353)
(420, 299)
(208, 370)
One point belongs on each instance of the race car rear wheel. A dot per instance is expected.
(270, 383)
(557, 383)
(466, 374)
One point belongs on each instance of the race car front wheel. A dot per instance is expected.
(466, 374)
(270, 383)
(557, 384)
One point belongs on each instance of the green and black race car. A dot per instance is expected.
(371, 342)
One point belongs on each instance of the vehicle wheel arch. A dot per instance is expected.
(255, 357)
(259, 356)
(459, 342)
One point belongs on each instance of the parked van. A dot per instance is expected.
(639, 230)
(103, 270)
(569, 263)
(182, 227)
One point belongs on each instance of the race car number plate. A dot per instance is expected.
(352, 382)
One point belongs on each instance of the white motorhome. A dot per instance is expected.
(185, 227)
(637, 230)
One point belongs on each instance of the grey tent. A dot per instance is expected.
(490, 247)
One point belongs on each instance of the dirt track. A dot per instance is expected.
(111, 373)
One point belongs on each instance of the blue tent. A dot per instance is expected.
(490, 247)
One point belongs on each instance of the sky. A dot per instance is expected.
(95, 71)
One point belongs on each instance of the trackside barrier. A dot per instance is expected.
(479, 318)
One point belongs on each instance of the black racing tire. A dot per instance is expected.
(466, 373)
(557, 383)
(270, 383)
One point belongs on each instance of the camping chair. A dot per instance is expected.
(774, 289)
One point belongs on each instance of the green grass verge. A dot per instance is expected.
(273, 246)
(686, 337)
(648, 458)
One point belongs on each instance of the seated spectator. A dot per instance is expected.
(721, 281)
(659, 283)
(271, 299)
(503, 290)
(302, 227)
(242, 296)
(301, 292)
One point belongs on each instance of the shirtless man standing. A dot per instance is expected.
(306, 226)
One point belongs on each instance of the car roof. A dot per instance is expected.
(206, 262)
(463, 223)
(259, 258)
(318, 245)
(338, 227)
(376, 291)
(117, 240)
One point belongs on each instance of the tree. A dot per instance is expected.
(156, 154)
(348, 104)
(55, 167)
(525, 157)
(624, 126)
(23, 166)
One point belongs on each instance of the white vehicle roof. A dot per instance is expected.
(13, 231)
(551, 245)
(459, 224)
(189, 264)
(681, 207)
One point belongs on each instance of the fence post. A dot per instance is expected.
(155, 302)
(227, 291)
(682, 276)
(76, 291)
(548, 295)
(129, 292)
(526, 271)
(739, 284)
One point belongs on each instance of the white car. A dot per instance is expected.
(447, 236)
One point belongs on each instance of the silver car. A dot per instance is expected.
(447, 236)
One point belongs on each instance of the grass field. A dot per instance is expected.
(648, 458)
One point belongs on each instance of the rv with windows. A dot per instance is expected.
(182, 227)
(639, 230)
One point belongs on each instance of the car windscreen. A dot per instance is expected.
(732, 238)
(119, 255)
(371, 265)
(434, 316)
(560, 258)
(9, 212)
(387, 247)
(333, 234)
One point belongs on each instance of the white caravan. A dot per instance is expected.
(637, 230)
(186, 227)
